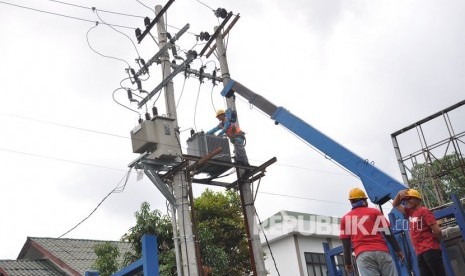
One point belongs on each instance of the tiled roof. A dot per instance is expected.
(29, 268)
(76, 253)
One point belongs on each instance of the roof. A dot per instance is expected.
(73, 256)
(29, 268)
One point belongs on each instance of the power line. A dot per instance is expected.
(127, 137)
(58, 159)
(117, 189)
(205, 5)
(301, 197)
(64, 15)
(100, 54)
(93, 8)
(62, 125)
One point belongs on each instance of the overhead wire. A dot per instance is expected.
(92, 8)
(133, 44)
(88, 43)
(116, 189)
(304, 198)
(267, 242)
(145, 6)
(205, 5)
(57, 159)
(195, 107)
(182, 91)
(64, 15)
(113, 96)
(305, 142)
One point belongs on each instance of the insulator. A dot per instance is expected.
(129, 94)
(192, 53)
(142, 61)
(147, 116)
(146, 21)
(168, 35)
(140, 120)
(192, 132)
(220, 12)
(154, 111)
(138, 33)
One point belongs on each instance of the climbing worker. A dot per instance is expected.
(230, 128)
(425, 232)
(363, 229)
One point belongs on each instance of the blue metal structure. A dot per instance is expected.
(148, 264)
(379, 186)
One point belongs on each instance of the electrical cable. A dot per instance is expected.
(117, 189)
(113, 96)
(88, 43)
(267, 243)
(182, 91)
(195, 107)
(125, 137)
(145, 6)
(133, 44)
(211, 98)
(305, 198)
(93, 8)
(205, 5)
(63, 15)
(58, 159)
(310, 145)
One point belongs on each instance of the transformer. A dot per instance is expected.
(200, 144)
(156, 136)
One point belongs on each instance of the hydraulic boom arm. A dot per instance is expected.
(379, 186)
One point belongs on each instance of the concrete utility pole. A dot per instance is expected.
(244, 188)
(189, 261)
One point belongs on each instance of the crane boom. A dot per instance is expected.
(379, 186)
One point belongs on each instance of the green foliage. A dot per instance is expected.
(448, 172)
(107, 255)
(152, 223)
(223, 242)
(220, 224)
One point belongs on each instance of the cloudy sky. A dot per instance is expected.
(355, 70)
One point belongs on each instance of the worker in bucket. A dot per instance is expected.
(363, 229)
(229, 127)
(425, 232)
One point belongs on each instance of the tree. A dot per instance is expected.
(152, 223)
(447, 173)
(220, 225)
(107, 255)
(147, 222)
(223, 240)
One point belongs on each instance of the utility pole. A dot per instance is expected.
(258, 265)
(189, 262)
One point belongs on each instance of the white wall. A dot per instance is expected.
(284, 252)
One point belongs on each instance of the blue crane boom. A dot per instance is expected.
(379, 186)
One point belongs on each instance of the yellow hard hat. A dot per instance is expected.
(357, 193)
(413, 193)
(219, 112)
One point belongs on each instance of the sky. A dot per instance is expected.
(355, 70)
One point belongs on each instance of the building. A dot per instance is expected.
(295, 240)
(55, 257)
